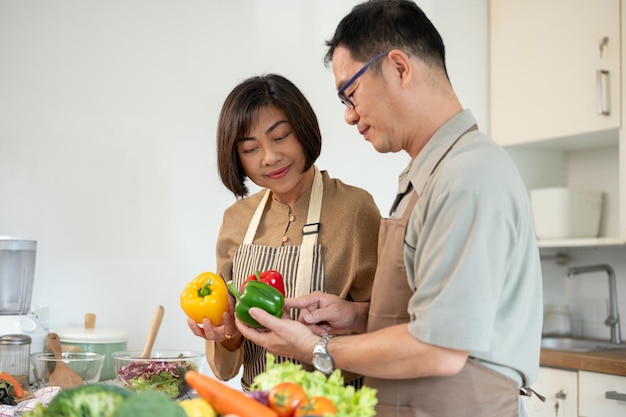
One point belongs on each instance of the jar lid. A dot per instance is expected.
(15, 243)
(15, 339)
(82, 335)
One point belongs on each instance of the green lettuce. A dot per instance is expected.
(349, 402)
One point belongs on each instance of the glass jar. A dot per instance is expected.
(15, 357)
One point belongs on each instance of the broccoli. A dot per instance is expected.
(7, 395)
(38, 411)
(108, 401)
(86, 401)
(149, 403)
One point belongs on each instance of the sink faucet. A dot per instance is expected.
(613, 320)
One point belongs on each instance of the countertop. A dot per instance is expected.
(609, 361)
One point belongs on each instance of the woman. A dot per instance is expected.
(318, 232)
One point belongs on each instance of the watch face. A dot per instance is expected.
(323, 363)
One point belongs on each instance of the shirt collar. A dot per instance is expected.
(420, 168)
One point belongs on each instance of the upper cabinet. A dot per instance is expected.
(554, 69)
(555, 99)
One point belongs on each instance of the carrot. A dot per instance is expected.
(18, 391)
(224, 399)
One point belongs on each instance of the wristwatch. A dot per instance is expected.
(322, 361)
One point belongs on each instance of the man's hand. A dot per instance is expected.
(281, 336)
(327, 313)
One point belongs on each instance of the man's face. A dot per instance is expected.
(369, 96)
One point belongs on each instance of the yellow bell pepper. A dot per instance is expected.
(197, 407)
(205, 297)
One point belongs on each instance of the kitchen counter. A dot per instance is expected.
(610, 361)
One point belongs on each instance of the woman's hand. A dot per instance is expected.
(328, 313)
(225, 333)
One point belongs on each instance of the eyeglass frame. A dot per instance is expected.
(342, 91)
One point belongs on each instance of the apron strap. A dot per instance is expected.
(256, 219)
(310, 232)
(528, 392)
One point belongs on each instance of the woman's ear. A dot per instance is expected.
(402, 65)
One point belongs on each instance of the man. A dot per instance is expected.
(454, 323)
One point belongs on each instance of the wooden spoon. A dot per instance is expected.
(154, 330)
(62, 376)
(90, 321)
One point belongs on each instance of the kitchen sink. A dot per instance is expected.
(578, 345)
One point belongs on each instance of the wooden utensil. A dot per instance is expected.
(152, 333)
(90, 321)
(62, 376)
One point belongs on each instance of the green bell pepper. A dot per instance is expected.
(257, 294)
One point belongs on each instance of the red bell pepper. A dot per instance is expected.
(271, 277)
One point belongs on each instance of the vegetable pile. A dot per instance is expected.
(348, 401)
(283, 390)
(163, 376)
(10, 389)
(99, 400)
(287, 390)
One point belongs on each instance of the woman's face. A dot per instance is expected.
(272, 156)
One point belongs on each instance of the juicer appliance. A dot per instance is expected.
(17, 276)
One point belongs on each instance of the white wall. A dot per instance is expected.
(107, 122)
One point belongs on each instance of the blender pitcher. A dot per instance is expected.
(17, 273)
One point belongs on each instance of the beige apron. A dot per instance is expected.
(301, 267)
(475, 391)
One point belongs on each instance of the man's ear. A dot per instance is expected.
(402, 65)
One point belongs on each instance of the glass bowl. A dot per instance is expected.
(164, 371)
(88, 365)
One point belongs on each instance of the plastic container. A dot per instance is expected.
(15, 357)
(565, 213)
(556, 321)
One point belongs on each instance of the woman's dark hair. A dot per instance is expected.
(240, 112)
(377, 26)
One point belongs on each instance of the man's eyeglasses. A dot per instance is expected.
(342, 91)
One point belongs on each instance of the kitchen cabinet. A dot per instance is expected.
(601, 395)
(554, 68)
(560, 387)
(554, 100)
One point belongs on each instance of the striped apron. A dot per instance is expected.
(301, 267)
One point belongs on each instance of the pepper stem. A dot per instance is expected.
(234, 291)
(205, 289)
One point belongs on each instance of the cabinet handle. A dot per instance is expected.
(561, 395)
(602, 92)
(614, 395)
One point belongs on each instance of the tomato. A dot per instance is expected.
(285, 397)
(315, 407)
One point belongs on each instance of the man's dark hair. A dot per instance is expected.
(377, 26)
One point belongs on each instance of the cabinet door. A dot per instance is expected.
(544, 63)
(601, 395)
(560, 388)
